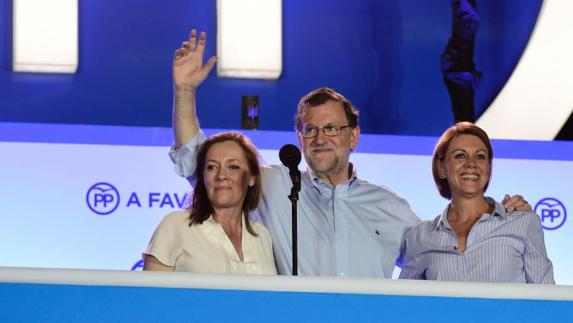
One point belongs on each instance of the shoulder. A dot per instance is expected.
(176, 218)
(524, 215)
(525, 221)
(530, 218)
(170, 230)
(379, 190)
(384, 198)
(423, 228)
(420, 237)
(521, 216)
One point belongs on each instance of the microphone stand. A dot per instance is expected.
(293, 197)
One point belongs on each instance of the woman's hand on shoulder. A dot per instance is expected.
(515, 203)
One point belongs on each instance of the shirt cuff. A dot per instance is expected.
(183, 158)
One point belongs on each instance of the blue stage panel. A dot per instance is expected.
(268, 299)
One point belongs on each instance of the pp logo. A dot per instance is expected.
(552, 213)
(102, 198)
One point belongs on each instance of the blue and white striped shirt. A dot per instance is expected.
(501, 247)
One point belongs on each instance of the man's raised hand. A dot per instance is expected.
(188, 68)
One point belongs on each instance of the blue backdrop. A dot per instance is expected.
(382, 54)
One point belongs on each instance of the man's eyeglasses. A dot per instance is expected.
(330, 131)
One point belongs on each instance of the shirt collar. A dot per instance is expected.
(442, 220)
(499, 209)
(210, 226)
(352, 175)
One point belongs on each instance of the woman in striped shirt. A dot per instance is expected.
(474, 239)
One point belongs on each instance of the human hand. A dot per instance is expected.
(188, 68)
(515, 203)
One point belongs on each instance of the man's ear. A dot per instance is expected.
(300, 139)
(354, 138)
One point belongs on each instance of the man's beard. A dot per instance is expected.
(325, 167)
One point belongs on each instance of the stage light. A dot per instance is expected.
(250, 112)
(537, 100)
(249, 38)
(45, 36)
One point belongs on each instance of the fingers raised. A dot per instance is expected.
(192, 39)
(201, 44)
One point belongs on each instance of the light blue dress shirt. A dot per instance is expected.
(500, 248)
(354, 229)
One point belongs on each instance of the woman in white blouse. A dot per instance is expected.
(215, 234)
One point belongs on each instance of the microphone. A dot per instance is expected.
(290, 157)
